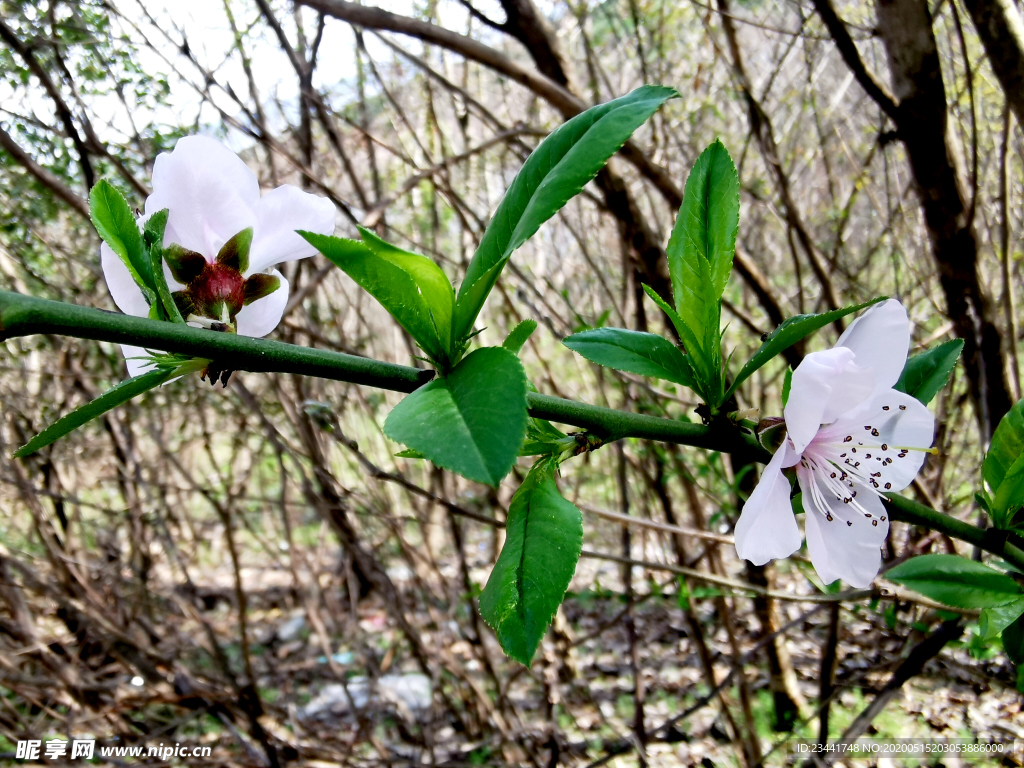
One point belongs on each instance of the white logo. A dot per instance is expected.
(28, 750)
(83, 748)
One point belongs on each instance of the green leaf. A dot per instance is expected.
(956, 581)
(700, 253)
(981, 499)
(409, 286)
(705, 233)
(154, 238)
(787, 385)
(543, 540)
(645, 354)
(153, 231)
(791, 331)
(555, 172)
(472, 421)
(472, 296)
(116, 224)
(409, 453)
(112, 398)
(702, 366)
(1006, 447)
(433, 283)
(1010, 495)
(519, 335)
(927, 373)
(677, 321)
(700, 311)
(542, 438)
(994, 620)
(1013, 641)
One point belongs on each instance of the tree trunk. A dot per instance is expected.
(921, 116)
(1001, 30)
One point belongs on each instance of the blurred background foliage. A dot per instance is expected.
(251, 568)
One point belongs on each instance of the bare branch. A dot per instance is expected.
(43, 176)
(848, 49)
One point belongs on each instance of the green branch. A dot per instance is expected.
(25, 315)
(616, 425)
(989, 539)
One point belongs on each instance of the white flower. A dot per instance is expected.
(851, 437)
(211, 196)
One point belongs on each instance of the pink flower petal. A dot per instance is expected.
(263, 315)
(885, 431)
(880, 338)
(278, 214)
(847, 547)
(825, 385)
(767, 528)
(209, 192)
(123, 289)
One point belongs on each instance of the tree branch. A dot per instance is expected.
(560, 98)
(922, 653)
(43, 176)
(26, 315)
(1001, 30)
(848, 49)
(63, 111)
(376, 18)
(761, 127)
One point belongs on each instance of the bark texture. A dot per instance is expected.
(923, 126)
(1001, 30)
